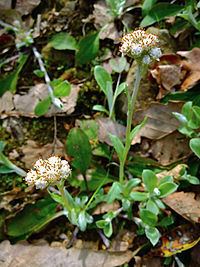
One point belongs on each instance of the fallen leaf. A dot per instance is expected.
(187, 204)
(160, 120)
(192, 65)
(122, 241)
(16, 199)
(24, 7)
(106, 127)
(167, 77)
(175, 172)
(6, 102)
(24, 105)
(33, 151)
(5, 4)
(24, 254)
(170, 148)
(105, 207)
(103, 18)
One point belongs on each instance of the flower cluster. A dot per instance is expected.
(46, 172)
(141, 46)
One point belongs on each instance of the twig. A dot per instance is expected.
(54, 100)
(55, 133)
(105, 240)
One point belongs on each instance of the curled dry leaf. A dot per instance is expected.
(160, 121)
(24, 7)
(106, 127)
(103, 18)
(16, 199)
(24, 254)
(33, 151)
(187, 204)
(175, 172)
(24, 105)
(105, 207)
(192, 65)
(5, 4)
(170, 148)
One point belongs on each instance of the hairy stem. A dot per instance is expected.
(131, 108)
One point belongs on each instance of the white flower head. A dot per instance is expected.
(49, 171)
(141, 45)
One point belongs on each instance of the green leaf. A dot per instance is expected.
(180, 117)
(136, 129)
(187, 110)
(159, 12)
(118, 146)
(5, 169)
(195, 146)
(139, 196)
(2, 146)
(101, 224)
(100, 108)
(82, 222)
(9, 82)
(152, 234)
(57, 198)
(61, 88)
(166, 179)
(63, 41)
(130, 185)
(151, 206)
(102, 77)
(167, 189)
(122, 87)
(88, 49)
(42, 107)
(118, 64)
(39, 73)
(147, 6)
(116, 6)
(166, 221)
(114, 192)
(149, 179)
(32, 218)
(148, 217)
(109, 94)
(78, 146)
(108, 230)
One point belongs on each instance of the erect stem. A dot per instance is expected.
(63, 196)
(131, 108)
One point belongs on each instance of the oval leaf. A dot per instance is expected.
(102, 77)
(195, 146)
(149, 179)
(88, 49)
(167, 189)
(78, 146)
(42, 107)
(63, 41)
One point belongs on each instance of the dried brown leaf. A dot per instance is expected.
(186, 204)
(170, 149)
(105, 207)
(160, 121)
(33, 151)
(24, 7)
(106, 127)
(23, 255)
(192, 65)
(24, 105)
(103, 18)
